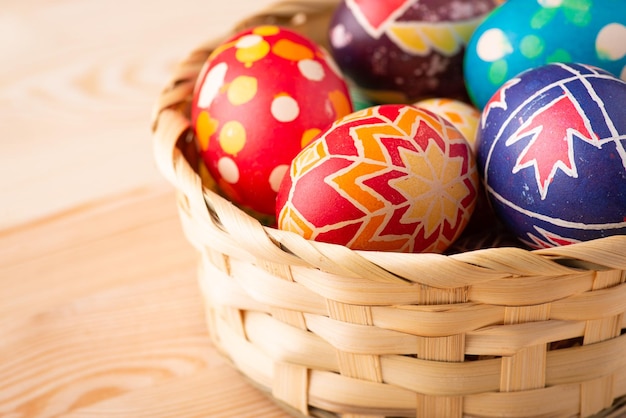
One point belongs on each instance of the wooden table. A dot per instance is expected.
(99, 311)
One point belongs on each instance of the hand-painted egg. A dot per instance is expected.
(401, 51)
(465, 118)
(259, 99)
(524, 34)
(387, 178)
(461, 115)
(552, 154)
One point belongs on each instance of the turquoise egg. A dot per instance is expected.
(525, 34)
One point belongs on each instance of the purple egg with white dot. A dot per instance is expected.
(551, 150)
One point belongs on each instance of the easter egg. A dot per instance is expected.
(401, 51)
(465, 118)
(387, 178)
(259, 99)
(461, 115)
(552, 154)
(524, 34)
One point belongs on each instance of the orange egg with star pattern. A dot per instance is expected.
(260, 98)
(386, 178)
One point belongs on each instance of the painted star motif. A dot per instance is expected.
(434, 186)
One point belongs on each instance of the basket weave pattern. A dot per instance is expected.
(333, 332)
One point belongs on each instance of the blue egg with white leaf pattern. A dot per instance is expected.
(551, 151)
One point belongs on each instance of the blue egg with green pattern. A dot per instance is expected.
(525, 34)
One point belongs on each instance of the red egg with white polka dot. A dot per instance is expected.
(260, 98)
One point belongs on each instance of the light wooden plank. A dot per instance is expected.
(118, 316)
(103, 250)
(226, 395)
(104, 345)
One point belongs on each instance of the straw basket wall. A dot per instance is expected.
(327, 331)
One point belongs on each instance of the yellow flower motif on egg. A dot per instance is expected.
(434, 184)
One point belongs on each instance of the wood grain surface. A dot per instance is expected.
(100, 315)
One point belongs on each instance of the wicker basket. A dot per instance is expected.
(328, 331)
